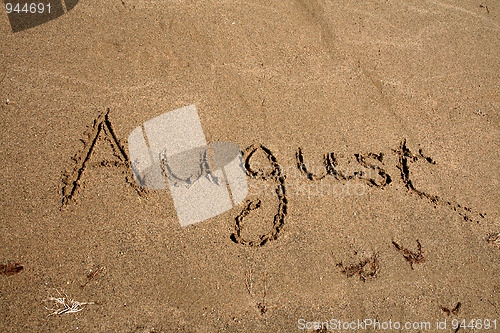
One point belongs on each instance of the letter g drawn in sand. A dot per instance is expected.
(205, 180)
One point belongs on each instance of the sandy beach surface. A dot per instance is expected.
(370, 136)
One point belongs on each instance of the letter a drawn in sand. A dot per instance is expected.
(72, 180)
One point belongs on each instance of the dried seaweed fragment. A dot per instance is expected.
(10, 269)
(410, 256)
(454, 311)
(366, 269)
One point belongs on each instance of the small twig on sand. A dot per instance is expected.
(494, 239)
(92, 274)
(63, 304)
(262, 305)
(249, 281)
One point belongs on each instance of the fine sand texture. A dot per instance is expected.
(370, 137)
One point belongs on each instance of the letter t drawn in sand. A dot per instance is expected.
(405, 157)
